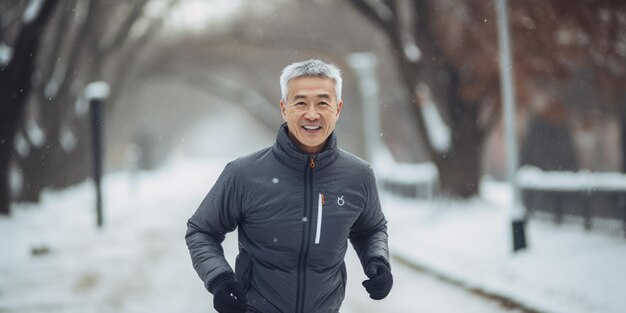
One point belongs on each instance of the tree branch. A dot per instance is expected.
(127, 61)
(63, 22)
(124, 30)
(387, 25)
(77, 48)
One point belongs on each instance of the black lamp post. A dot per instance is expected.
(97, 93)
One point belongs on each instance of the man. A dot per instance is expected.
(295, 205)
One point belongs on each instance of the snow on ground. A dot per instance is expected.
(138, 262)
(565, 269)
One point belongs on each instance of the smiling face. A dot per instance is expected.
(311, 110)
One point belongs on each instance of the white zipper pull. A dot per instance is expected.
(320, 204)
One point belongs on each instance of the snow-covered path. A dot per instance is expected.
(414, 291)
(139, 262)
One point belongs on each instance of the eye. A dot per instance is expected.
(300, 103)
(324, 103)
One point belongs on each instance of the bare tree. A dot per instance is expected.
(449, 48)
(87, 41)
(431, 76)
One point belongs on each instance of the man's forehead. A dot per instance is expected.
(311, 80)
(323, 95)
(311, 87)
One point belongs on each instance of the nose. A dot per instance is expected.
(311, 113)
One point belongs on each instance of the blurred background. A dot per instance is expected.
(183, 86)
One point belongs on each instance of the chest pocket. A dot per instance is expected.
(334, 216)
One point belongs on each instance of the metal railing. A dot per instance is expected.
(594, 200)
(409, 180)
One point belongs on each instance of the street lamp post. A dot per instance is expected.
(508, 98)
(364, 64)
(97, 93)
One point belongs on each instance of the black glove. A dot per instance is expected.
(228, 295)
(380, 279)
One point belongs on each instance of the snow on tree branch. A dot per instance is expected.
(6, 53)
(437, 130)
(411, 50)
(32, 11)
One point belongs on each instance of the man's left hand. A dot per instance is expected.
(380, 279)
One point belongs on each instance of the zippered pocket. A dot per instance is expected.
(320, 213)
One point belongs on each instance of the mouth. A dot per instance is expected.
(311, 128)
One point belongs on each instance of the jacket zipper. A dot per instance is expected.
(318, 229)
(304, 248)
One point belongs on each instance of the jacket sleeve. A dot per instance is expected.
(218, 214)
(369, 232)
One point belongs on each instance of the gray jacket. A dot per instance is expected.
(295, 214)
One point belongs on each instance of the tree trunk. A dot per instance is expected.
(35, 169)
(622, 112)
(460, 167)
(50, 166)
(460, 170)
(6, 148)
(11, 108)
(15, 86)
(459, 176)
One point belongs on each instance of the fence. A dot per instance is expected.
(411, 180)
(595, 200)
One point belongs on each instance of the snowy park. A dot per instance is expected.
(447, 253)
(56, 260)
(490, 134)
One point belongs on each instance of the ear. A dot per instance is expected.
(339, 107)
(283, 110)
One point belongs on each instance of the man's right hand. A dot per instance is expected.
(380, 280)
(229, 296)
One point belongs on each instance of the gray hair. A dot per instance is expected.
(310, 68)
